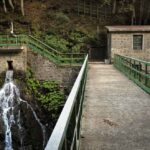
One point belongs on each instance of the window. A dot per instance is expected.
(137, 42)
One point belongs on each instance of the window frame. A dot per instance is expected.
(142, 42)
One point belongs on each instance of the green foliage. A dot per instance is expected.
(48, 93)
(29, 73)
(33, 85)
(57, 42)
(59, 17)
(52, 101)
(36, 30)
(73, 42)
(77, 47)
(62, 18)
(78, 37)
(51, 31)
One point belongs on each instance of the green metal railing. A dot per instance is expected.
(137, 70)
(42, 48)
(66, 134)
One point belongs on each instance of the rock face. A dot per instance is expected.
(20, 127)
(28, 135)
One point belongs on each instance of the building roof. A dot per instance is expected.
(140, 28)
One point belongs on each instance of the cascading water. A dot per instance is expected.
(9, 101)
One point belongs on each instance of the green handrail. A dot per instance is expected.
(137, 70)
(42, 48)
(66, 133)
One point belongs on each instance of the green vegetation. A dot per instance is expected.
(48, 94)
(57, 42)
(72, 42)
(54, 24)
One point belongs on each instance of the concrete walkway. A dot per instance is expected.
(116, 112)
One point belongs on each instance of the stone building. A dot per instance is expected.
(133, 41)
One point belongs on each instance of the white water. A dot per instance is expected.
(9, 99)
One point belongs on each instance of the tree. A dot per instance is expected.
(22, 7)
(114, 6)
(10, 2)
(4, 6)
(133, 13)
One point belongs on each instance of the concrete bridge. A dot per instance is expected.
(116, 108)
(116, 114)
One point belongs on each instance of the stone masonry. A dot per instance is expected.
(46, 70)
(43, 68)
(19, 59)
(122, 43)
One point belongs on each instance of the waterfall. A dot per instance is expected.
(9, 100)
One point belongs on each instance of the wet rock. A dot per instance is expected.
(21, 122)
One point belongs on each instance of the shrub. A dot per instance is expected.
(48, 93)
(57, 42)
(62, 18)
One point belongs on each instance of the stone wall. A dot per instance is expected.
(41, 66)
(46, 70)
(19, 60)
(122, 43)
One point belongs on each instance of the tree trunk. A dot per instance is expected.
(22, 7)
(11, 4)
(141, 12)
(147, 13)
(4, 6)
(133, 19)
(114, 6)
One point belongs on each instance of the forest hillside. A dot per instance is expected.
(66, 24)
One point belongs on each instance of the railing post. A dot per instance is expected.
(7, 40)
(139, 69)
(134, 70)
(146, 72)
(130, 64)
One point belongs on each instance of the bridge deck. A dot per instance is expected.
(116, 112)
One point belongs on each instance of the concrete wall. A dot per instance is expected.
(43, 68)
(122, 43)
(19, 60)
(46, 70)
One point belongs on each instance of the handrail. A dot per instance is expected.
(66, 134)
(44, 44)
(137, 70)
(139, 60)
(44, 49)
